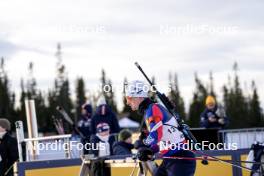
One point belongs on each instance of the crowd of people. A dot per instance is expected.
(101, 128)
(160, 126)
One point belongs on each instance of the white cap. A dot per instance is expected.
(137, 89)
(101, 101)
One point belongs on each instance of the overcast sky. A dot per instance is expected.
(163, 36)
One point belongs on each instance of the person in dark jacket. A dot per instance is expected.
(124, 144)
(102, 141)
(214, 115)
(8, 149)
(84, 124)
(104, 114)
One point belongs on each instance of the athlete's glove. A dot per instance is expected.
(139, 144)
(145, 154)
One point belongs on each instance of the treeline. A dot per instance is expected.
(244, 110)
(47, 101)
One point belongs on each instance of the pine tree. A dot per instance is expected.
(63, 85)
(60, 95)
(7, 98)
(31, 83)
(104, 87)
(255, 111)
(80, 96)
(108, 92)
(235, 103)
(197, 106)
(111, 98)
(211, 85)
(175, 96)
(32, 93)
(126, 108)
(22, 108)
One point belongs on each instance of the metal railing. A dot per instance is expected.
(244, 138)
(32, 151)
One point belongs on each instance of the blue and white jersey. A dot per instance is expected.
(163, 131)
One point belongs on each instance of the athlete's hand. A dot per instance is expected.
(139, 144)
(145, 154)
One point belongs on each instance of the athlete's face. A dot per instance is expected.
(134, 102)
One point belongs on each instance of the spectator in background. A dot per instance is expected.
(214, 115)
(124, 144)
(8, 148)
(102, 140)
(104, 114)
(84, 124)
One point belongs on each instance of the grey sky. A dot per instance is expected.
(163, 36)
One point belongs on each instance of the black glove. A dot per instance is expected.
(145, 154)
(143, 134)
(139, 144)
